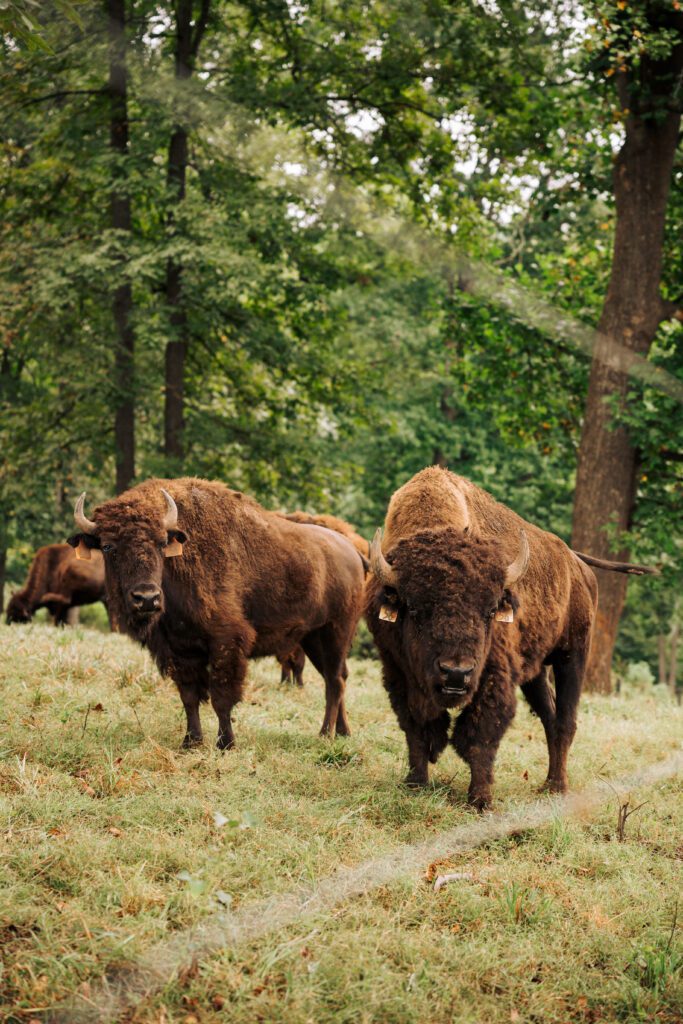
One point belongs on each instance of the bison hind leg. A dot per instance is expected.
(541, 700)
(327, 650)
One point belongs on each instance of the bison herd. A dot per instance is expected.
(464, 599)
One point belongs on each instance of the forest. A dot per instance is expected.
(310, 248)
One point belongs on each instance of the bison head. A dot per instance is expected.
(441, 595)
(18, 610)
(135, 539)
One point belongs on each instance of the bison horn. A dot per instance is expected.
(171, 518)
(516, 569)
(84, 524)
(378, 563)
(465, 512)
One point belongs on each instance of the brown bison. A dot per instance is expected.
(206, 578)
(467, 601)
(58, 581)
(292, 666)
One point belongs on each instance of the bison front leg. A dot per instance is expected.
(193, 686)
(478, 732)
(226, 685)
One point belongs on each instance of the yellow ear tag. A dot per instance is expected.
(173, 548)
(83, 551)
(505, 614)
(387, 613)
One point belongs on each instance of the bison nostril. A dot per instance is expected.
(146, 599)
(453, 673)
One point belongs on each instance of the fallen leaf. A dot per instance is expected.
(113, 831)
(525, 776)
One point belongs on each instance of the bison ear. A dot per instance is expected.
(83, 543)
(174, 546)
(507, 607)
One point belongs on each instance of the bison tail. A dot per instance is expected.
(628, 567)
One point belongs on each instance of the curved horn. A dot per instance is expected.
(378, 563)
(171, 517)
(516, 569)
(461, 501)
(84, 524)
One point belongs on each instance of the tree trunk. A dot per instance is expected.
(607, 465)
(122, 304)
(661, 650)
(176, 348)
(3, 567)
(188, 36)
(673, 656)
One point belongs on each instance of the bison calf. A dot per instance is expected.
(206, 578)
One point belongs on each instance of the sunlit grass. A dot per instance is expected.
(111, 839)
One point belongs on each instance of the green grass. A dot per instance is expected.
(112, 839)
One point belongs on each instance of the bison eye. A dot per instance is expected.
(108, 548)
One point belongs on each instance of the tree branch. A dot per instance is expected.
(200, 27)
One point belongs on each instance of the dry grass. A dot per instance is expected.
(112, 839)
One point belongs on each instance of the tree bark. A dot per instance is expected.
(673, 655)
(187, 40)
(3, 567)
(661, 650)
(633, 309)
(122, 303)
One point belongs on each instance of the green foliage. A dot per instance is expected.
(326, 363)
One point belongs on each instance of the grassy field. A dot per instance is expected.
(112, 839)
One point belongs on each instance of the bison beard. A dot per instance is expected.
(445, 579)
(236, 582)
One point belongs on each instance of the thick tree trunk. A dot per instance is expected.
(122, 304)
(673, 656)
(3, 567)
(633, 309)
(661, 651)
(187, 40)
(176, 348)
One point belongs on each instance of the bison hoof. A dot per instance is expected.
(480, 801)
(225, 742)
(553, 786)
(416, 780)
(190, 741)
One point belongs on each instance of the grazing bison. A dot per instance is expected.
(58, 581)
(206, 578)
(468, 601)
(292, 666)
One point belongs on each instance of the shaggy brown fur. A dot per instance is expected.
(450, 583)
(58, 581)
(293, 665)
(247, 584)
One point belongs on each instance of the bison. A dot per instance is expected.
(59, 582)
(467, 601)
(206, 579)
(292, 666)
